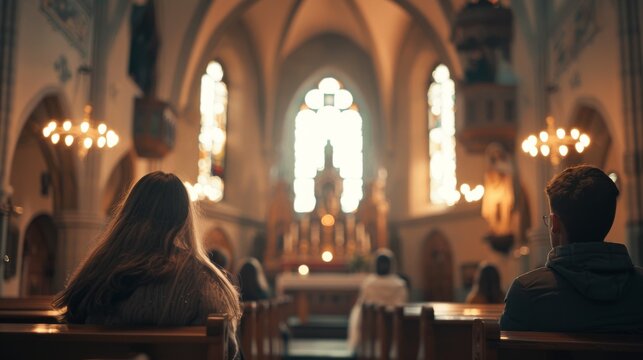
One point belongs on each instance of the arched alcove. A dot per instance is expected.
(38, 257)
(59, 176)
(118, 184)
(589, 120)
(217, 239)
(437, 260)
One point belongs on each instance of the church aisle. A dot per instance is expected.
(313, 349)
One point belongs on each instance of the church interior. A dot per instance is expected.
(311, 133)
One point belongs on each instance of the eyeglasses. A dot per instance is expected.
(547, 220)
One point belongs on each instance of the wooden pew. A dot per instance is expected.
(406, 327)
(492, 344)
(261, 328)
(58, 341)
(28, 310)
(261, 334)
(383, 325)
(248, 330)
(445, 329)
(366, 345)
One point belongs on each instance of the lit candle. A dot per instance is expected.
(294, 235)
(339, 235)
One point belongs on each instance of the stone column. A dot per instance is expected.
(538, 235)
(8, 16)
(630, 17)
(76, 237)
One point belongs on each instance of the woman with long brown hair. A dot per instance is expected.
(148, 268)
(487, 288)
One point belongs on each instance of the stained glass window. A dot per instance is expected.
(212, 137)
(328, 114)
(441, 126)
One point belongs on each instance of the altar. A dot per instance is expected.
(320, 293)
(326, 239)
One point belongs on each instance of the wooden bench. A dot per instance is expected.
(261, 328)
(491, 344)
(434, 330)
(366, 345)
(58, 341)
(383, 332)
(248, 330)
(28, 310)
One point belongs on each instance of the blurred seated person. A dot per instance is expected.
(382, 288)
(219, 258)
(487, 286)
(587, 284)
(252, 281)
(148, 269)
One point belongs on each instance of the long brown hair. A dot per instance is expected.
(144, 243)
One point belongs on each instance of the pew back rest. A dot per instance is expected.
(446, 329)
(28, 310)
(491, 343)
(58, 341)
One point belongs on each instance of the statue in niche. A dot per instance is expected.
(499, 197)
(328, 187)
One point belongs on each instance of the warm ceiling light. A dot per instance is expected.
(83, 133)
(555, 143)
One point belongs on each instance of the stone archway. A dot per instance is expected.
(119, 183)
(218, 239)
(437, 262)
(38, 257)
(590, 121)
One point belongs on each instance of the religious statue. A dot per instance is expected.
(498, 199)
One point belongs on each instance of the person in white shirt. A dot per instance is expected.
(382, 288)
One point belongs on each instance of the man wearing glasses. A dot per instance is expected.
(587, 285)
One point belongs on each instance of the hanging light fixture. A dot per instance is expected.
(84, 132)
(555, 143)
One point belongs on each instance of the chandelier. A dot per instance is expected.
(555, 143)
(84, 133)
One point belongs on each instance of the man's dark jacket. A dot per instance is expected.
(584, 287)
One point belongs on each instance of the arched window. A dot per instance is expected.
(212, 137)
(441, 99)
(328, 114)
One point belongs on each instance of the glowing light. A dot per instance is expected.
(560, 133)
(327, 256)
(563, 150)
(575, 133)
(84, 127)
(525, 146)
(328, 114)
(544, 149)
(543, 136)
(584, 139)
(328, 220)
(533, 152)
(101, 142)
(212, 136)
(46, 132)
(613, 176)
(102, 129)
(215, 70)
(303, 270)
(69, 139)
(441, 125)
(67, 125)
(532, 139)
(87, 143)
(55, 138)
(579, 147)
(329, 85)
